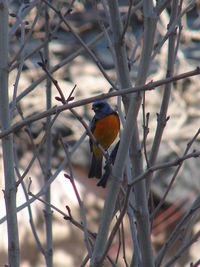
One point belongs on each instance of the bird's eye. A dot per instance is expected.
(100, 105)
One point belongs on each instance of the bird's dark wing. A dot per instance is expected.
(92, 127)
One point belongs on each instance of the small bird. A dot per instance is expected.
(105, 126)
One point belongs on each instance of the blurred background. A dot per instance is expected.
(75, 67)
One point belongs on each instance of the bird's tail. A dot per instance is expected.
(107, 167)
(95, 167)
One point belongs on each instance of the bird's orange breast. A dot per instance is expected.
(106, 130)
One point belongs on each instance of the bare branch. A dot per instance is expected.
(80, 202)
(177, 231)
(175, 173)
(7, 143)
(162, 116)
(57, 109)
(161, 166)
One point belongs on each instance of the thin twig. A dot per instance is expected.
(127, 20)
(67, 217)
(165, 165)
(145, 129)
(124, 245)
(162, 117)
(172, 27)
(85, 261)
(24, 10)
(36, 149)
(19, 71)
(175, 174)
(70, 57)
(80, 202)
(89, 51)
(136, 255)
(133, 53)
(115, 228)
(177, 231)
(30, 32)
(66, 101)
(38, 242)
(182, 249)
(119, 245)
(50, 36)
(149, 86)
(180, 27)
(52, 178)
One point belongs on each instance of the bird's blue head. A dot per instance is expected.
(101, 109)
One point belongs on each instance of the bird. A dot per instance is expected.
(107, 166)
(104, 126)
